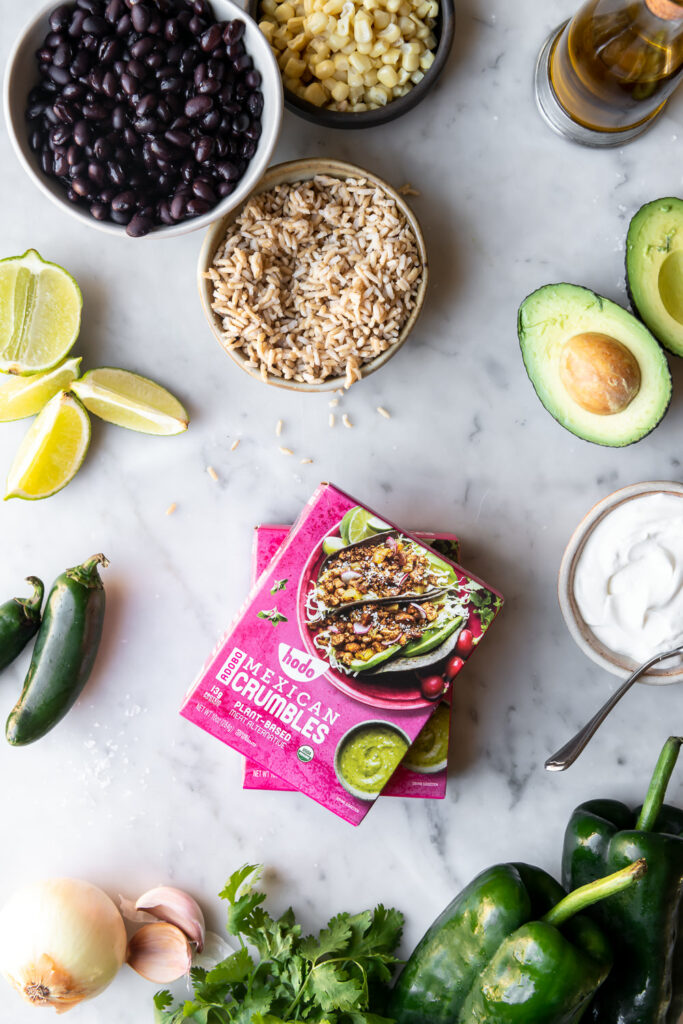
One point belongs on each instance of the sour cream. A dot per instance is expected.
(628, 581)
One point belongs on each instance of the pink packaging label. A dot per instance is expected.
(333, 665)
(428, 783)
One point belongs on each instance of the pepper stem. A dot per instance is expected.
(33, 603)
(87, 573)
(586, 895)
(652, 804)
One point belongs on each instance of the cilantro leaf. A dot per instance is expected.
(279, 585)
(332, 987)
(233, 969)
(273, 616)
(333, 939)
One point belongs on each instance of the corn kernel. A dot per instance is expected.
(378, 48)
(340, 91)
(403, 76)
(392, 56)
(267, 29)
(295, 25)
(314, 93)
(391, 33)
(426, 60)
(360, 62)
(341, 62)
(269, 6)
(356, 91)
(364, 48)
(316, 23)
(417, 77)
(381, 19)
(337, 42)
(387, 76)
(297, 44)
(355, 80)
(378, 95)
(284, 11)
(325, 69)
(430, 41)
(362, 29)
(333, 6)
(410, 61)
(370, 78)
(294, 68)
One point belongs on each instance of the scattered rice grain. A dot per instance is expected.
(384, 412)
(171, 509)
(333, 403)
(332, 419)
(212, 473)
(346, 421)
(285, 451)
(234, 444)
(408, 190)
(278, 428)
(306, 462)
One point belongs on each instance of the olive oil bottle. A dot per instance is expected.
(604, 76)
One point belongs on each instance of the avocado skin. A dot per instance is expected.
(640, 217)
(600, 301)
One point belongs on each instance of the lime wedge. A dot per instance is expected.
(129, 400)
(332, 544)
(52, 451)
(377, 525)
(40, 313)
(25, 396)
(357, 526)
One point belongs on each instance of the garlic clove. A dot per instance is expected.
(159, 952)
(130, 913)
(175, 906)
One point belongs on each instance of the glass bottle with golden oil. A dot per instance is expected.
(605, 75)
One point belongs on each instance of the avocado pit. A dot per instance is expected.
(599, 373)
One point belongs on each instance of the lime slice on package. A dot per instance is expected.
(52, 451)
(25, 396)
(40, 313)
(128, 400)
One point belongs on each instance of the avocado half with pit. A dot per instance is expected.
(654, 269)
(596, 368)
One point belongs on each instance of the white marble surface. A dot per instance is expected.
(127, 794)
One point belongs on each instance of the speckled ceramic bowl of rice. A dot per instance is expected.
(317, 279)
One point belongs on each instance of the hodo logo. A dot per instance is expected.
(300, 666)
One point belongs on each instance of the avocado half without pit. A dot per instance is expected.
(596, 368)
(654, 269)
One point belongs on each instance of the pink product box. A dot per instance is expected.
(328, 674)
(430, 780)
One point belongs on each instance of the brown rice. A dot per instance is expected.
(316, 278)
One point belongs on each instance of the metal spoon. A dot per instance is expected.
(567, 754)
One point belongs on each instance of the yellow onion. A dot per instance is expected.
(61, 941)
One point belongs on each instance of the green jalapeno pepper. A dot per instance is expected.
(19, 621)
(64, 653)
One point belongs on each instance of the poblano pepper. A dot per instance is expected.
(509, 950)
(645, 924)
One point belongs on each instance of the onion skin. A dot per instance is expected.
(61, 941)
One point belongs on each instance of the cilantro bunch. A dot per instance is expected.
(277, 976)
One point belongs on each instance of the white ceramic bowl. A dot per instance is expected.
(21, 75)
(581, 633)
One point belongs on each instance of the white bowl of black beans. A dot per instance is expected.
(144, 116)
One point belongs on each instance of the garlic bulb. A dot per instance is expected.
(61, 941)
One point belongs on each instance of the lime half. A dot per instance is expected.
(40, 313)
(377, 525)
(332, 544)
(357, 526)
(128, 400)
(52, 451)
(25, 396)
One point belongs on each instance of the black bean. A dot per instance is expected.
(79, 170)
(60, 17)
(81, 64)
(181, 123)
(59, 135)
(145, 125)
(156, 25)
(187, 62)
(255, 103)
(177, 208)
(200, 73)
(96, 172)
(215, 68)
(211, 121)
(154, 60)
(233, 31)
(123, 25)
(139, 225)
(82, 187)
(225, 188)
(94, 111)
(95, 25)
(202, 148)
(172, 84)
(99, 211)
(35, 139)
(201, 8)
(141, 17)
(164, 212)
(119, 217)
(116, 173)
(63, 111)
(178, 138)
(187, 171)
(223, 147)
(130, 137)
(113, 11)
(90, 6)
(46, 161)
(228, 170)
(61, 58)
(164, 112)
(141, 47)
(253, 79)
(60, 75)
(211, 38)
(118, 118)
(235, 50)
(61, 165)
(197, 207)
(198, 105)
(101, 149)
(109, 84)
(73, 155)
(254, 131)
(76, 24)
(243, 63)
(174, 53)
(54, 39)
(124, 201)
(240, 124)
(247, 149)
(209, 87)
(72, 91)
(203, 190)
(50, 117)
(196, 25)
(35, 110)
(72, 197)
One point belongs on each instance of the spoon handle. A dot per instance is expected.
(566, 755)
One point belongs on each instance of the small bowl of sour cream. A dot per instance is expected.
(620, 584)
